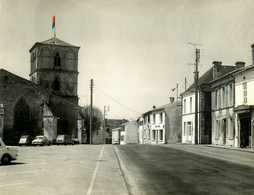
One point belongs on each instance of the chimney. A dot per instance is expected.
(240, 65)
(216, 69)
(154, 107)
(252, 46)
(172, 99)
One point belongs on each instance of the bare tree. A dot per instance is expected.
(97, 119)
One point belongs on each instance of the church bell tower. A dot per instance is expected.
(54, 65)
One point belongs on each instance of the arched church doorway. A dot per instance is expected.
(22, 120)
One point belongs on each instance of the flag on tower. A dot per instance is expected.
(53, 25)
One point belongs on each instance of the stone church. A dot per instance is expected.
(48, 103)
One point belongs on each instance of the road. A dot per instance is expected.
(70, 170)
(176, 169)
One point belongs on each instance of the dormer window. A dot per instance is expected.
(57, 60)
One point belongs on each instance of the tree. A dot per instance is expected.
(97, 120)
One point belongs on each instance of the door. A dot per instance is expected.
(245, 132)
(224, 130)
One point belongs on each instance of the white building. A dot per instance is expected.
(244, 107)
(204, 126)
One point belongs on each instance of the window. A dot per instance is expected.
(160, 135)
(154, 134)
(148, 136)
(161, 120)
(230, 94)
(215, 99)
(231, 128)
(190, 104)
(245, 93)
(57, 60)
(223, 97)
(148, 118)
(189, 128)
(184, 106)
(184, 128)
(217, 129)
(56, 84)
(154, 118)
(219, 99)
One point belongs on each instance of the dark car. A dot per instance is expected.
(64, 139)
(75, 140)
(25, 140)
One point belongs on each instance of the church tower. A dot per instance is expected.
(54, 65)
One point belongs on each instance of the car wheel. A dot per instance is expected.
(6, 159)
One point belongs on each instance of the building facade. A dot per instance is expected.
(204, 126)
(161, 125)
(129, 133)
(223, 101)
(244, 107)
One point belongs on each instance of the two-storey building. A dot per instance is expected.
(244, 107)
(204, 106)
(162, 125)
(223, 118)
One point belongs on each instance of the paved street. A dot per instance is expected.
(185, 169)
(78, 169)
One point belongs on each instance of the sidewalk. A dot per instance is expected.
(232, 148)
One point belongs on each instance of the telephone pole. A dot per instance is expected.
(91, 110)
(196, 76)
(104, 123)
(196, 95)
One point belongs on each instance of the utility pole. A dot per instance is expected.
(196, 95)
(104, 123)
(196, 76)
(91, 110)
(185, 83)
(176, 92)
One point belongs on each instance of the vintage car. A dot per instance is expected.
(25, 140)
(64, 139)
(40, 140)
(7, 153)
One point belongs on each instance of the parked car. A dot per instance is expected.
(41, 140)
(25, 140)
(75, 140)
(64, 139)
(7, 153)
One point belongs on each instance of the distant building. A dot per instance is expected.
(161, 125)
(128, 133)
(204, 106)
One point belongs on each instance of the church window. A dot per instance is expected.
(56, 84)
(57, 60)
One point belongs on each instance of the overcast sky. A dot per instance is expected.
(135, 50)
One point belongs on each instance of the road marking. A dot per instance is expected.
(15, 184)
(23, 172)
(95, 173)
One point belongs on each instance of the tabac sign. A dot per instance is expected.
(157, 126)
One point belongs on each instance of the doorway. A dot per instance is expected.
(245, 131)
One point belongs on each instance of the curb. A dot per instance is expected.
(121, 169)
(226, 148)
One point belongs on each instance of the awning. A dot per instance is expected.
(243, 109)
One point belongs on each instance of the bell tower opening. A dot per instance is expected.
(56, 85)
(57, 60)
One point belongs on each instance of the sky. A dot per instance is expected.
(136, 51)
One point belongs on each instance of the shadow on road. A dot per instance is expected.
(12, 164)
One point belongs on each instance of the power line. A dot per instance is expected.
(117, 101)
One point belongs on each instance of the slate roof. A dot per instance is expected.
(114, 122)
(208, 77)
(158, 108)
(54, 41)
